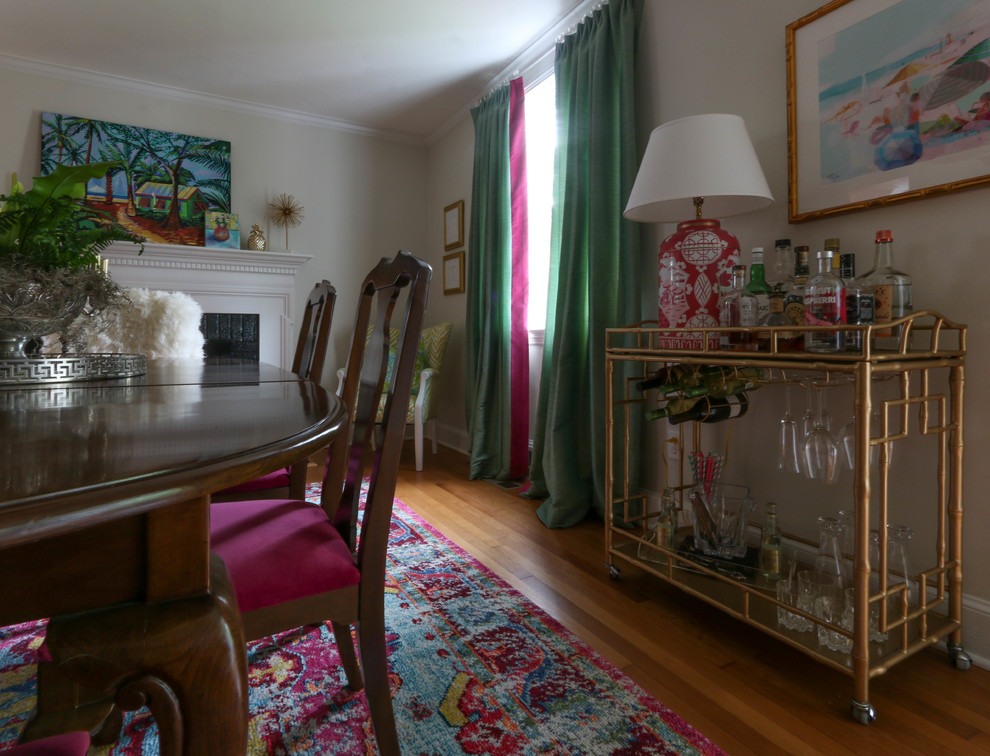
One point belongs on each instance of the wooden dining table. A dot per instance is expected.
(105, 529)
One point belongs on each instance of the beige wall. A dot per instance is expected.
(727, 56)
(364, 197)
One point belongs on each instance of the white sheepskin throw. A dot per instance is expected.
(161, 325)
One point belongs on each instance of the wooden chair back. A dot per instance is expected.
(314, 332)
(349, 463)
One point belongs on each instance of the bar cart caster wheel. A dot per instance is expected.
(613, 571)
(862, 712)
(957, 657)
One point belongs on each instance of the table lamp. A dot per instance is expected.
(705, 164)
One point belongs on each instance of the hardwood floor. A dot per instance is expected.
(747, 692)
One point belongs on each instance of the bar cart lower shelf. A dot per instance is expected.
(884, 629)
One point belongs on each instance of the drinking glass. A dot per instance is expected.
(831, 606)
(847, 442)
(787, 458)
(787, 594)
(820, 450)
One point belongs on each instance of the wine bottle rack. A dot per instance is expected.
(928, 344)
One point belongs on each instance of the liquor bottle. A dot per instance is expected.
(676, 405)
(823, 306)
(770, 545)
(794, 296)
(667, 522)
(891, 290)
(758, 285)
(781, 271)
(858, 302)
(723, 381)
(832, 245)
(737, 309)
(786, 340)
(713, 409)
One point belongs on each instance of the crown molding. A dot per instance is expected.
(140, 87)
(534, 64)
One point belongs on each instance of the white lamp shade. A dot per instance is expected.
(708, 156)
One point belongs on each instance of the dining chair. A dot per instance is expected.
(68, 744)
(311, 352)
(293, 563)
(424, 401)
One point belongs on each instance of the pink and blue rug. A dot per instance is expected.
(476, 669)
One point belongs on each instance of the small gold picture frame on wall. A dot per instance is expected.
(453, 273)
(453, 225)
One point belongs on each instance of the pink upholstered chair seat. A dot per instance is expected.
(279, 550)
(67, 744)
(275, 479)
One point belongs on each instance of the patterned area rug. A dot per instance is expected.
(476, 669)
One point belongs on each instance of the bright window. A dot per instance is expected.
(541, 141)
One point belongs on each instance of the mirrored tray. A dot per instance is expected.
(71, 367)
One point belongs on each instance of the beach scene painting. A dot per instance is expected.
(163, 183)
(906, 85)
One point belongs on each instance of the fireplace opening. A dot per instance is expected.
(231, 335)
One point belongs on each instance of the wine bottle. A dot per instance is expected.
(666, 376)
(712, 409)
(675, 405)
(723, 381)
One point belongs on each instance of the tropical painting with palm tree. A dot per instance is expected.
(162, 183)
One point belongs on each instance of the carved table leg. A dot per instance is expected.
(185, 659)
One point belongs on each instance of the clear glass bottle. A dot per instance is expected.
(758, 285)
(737, 309)
(786, 340)
(770, 545)
(667, 522)
(891, 290)
(823, 306)
(858, 302)
(794, 294)
(781, 269)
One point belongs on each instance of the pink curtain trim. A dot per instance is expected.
(519, 354)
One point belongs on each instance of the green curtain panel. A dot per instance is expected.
(594, 260)
(489, 281)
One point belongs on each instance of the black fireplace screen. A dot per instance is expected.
(231, 335)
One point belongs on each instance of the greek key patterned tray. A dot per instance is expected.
(71, 367)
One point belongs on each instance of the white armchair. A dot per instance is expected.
(424, 399)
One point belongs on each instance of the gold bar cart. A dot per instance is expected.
(928, 346)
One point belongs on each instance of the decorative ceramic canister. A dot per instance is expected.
(257, 239)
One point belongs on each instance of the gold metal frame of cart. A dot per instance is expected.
(927, 342)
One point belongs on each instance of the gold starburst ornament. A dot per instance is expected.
(284, 211)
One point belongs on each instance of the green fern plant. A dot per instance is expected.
(47, 229)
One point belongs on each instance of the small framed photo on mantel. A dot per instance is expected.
(453, 273)
(221, 230)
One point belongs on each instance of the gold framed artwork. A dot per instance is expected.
(887, 101)
(453, 225)
(453, 273)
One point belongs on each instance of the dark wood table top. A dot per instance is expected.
(78, 454)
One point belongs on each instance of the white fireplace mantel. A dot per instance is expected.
(221, 280)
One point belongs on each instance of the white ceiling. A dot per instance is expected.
(400, 67)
